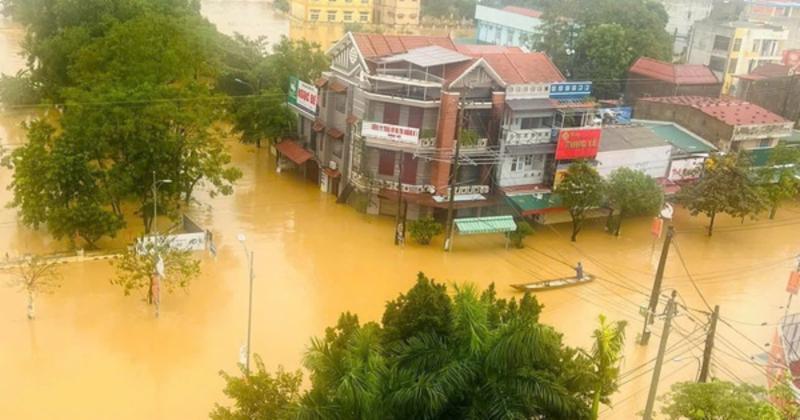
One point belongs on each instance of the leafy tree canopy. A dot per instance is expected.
(717, 400)
(633, 193)
(260, 395)
(581, 190)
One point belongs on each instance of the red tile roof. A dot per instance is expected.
(729, 111)
(678, 74)
(378, 45)
(768, 71)
(515, 68)
(523, 11)
(294, 151)
(475, 49)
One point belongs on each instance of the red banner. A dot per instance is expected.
(793, 285)
(581, 143)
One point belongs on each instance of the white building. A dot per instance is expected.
(635, 147)
(682, 15)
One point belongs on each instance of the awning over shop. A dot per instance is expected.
(321, 82)
(537, 104)
(318, 126)
(481, 225)
(351, 119)
(535, 203)
(335, 133)
(332, 173)
(337, 87)
(294, 152)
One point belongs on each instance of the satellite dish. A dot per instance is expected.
(666, 212)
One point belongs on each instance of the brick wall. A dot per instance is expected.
(638, 86)
(780, 95)
(445, 139)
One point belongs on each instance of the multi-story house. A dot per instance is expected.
(682, 15)
(339, 11)
(735, 48)
(397, 12)
(511, 25)
(648, 77)
(392, 108)
(785, 13)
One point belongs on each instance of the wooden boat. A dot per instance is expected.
(544, 285)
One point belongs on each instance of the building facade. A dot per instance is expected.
(397, 12)
(682, 16)
(338, 11)
(512, 25)
(775, 87)
(392, 109)
(784, 13)
(735, 48)
(648, 77)
(729, 124)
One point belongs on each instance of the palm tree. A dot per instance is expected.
(606, 354)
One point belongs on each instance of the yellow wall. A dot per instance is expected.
(340, 11)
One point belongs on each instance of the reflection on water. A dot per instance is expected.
(10, 40)
(92, 351)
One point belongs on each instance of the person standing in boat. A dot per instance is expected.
(579, 271)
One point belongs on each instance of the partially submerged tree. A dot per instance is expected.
(779, 178)
(138, 268)
(606, 355)
(725, 186)
(260, 395)
(580, 190)
(35, 276)
(717, 400)
(632, 193)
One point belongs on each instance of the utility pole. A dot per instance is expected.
(448, 241)
(662, 347)
(650, 315)
(709, 346)
(398, 230)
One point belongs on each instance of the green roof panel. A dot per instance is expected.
(480, 225)
(679, 138)
(535, 203)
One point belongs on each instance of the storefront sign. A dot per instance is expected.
(762, 131)
(684, 169)
(579, 143)
(570, 90)
(396, 133)
(303, 95)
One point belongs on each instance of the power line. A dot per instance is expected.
(686, 269)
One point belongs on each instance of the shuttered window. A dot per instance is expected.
(386, 163)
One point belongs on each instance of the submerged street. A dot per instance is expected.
(97, 354)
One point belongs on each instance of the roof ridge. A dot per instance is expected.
(516, 69)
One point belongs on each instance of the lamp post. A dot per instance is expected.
(159, 266)
(249, 254)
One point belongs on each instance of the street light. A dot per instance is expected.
(249, 254)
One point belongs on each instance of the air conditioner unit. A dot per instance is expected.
(332, 165)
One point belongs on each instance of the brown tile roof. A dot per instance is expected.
(523, 11)
(516, 68)
(678, 74)
(335, 133)
(478, 49)
(729, 111)
(294, 151)
(768, 71)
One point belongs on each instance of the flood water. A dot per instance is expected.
(93, 353)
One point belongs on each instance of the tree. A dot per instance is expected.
(725, 186)
(423, 230)
(580, 191)
(783, 397)
(633, 193)
(603, 55)
(138, 268)
(426, 308)
(524, 229)
(35, 276)
(778, 180)
(606, 354)
(717, 400)
(260, 395)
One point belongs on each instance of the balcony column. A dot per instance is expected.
(445, 140)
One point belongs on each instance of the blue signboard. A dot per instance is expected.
(618, 115)
(570, 90)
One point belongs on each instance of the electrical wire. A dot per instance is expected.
(688, 273)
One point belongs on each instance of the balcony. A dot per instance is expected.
(408, 76)
(520, 137)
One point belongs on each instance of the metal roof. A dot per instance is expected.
(430, 56)
(535, 104)
(629, 137)
(479, 225)
(679, 137)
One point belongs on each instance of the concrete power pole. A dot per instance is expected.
(649, 316)
(712, 330)
(662, 347)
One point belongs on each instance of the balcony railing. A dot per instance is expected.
(409, 74)
(519, 137)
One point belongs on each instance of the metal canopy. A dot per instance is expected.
(531, 104)
(481, 225)
(430, 56)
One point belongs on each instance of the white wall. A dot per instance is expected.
(653, 161)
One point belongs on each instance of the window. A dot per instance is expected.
(363, 16)
(348, 16)
(525, 163)
(756, 45)
(324, 95)
(331, 15)
(314, 14)
(409, 174)
(341, 101)
(737, 44)
(722, 43)
(386, 162)
(338, 147)
(717, 64)
(765, 143)
(732, 65)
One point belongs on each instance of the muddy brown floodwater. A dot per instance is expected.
(93, 353)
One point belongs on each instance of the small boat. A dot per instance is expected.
(544, 285)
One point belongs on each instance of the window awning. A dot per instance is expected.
(351, 119)
(318, 126)
(337, 87)
(335, 133)
(332, 173)
(321, 82)
(534, 104)
(481, 225)
(294, 152)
